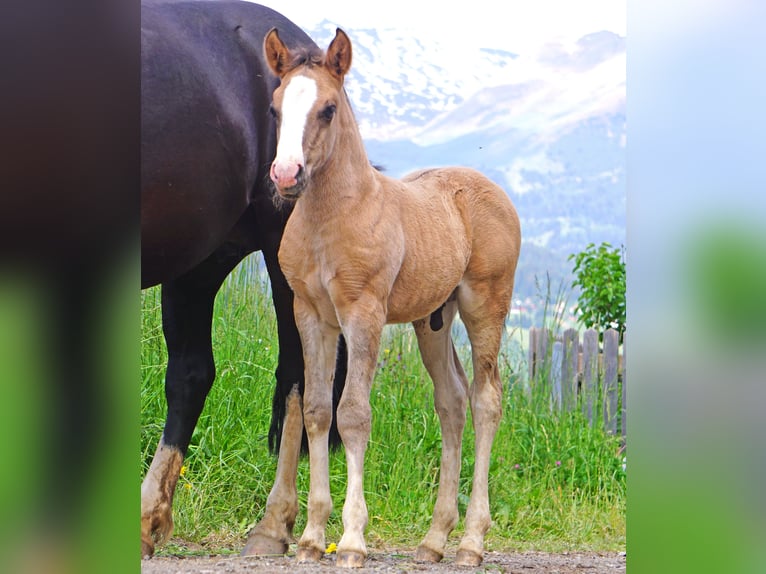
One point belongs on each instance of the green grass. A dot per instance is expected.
(555, 483)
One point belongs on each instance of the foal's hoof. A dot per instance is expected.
(350, 559)
(424, 554)
(468, 558)
(308, 555)
(260, 545)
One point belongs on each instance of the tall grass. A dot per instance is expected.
(555, 482)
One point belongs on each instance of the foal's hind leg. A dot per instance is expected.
(274, 532)
(450, 394)
(483, 309)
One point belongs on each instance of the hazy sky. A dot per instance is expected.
(518, 26)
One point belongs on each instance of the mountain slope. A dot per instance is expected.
(550, 128)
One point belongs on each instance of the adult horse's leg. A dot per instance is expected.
(483, 308)
(450, 397)
(187, 311)
(319, 349)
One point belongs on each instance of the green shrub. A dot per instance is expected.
(600, 275)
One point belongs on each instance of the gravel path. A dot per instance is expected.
(394, 561)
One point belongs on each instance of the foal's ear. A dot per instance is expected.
(338, 59)
(276, 53)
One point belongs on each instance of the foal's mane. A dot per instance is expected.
(305, 56)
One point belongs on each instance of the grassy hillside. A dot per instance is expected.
(555, 483)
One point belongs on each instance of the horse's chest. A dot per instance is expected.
(333, 270)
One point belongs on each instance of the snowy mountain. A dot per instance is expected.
(399, 84)
(548, 127)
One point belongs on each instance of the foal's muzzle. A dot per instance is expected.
(288, 177)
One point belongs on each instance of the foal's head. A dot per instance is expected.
(305, 106)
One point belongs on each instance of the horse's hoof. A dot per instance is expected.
(424, 554)
(156, 528)
(260, 545)
(308, 554)
(350, 559)
(468, 558)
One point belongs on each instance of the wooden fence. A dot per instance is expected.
(582, 374)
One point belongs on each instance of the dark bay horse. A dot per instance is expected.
(207, 140)
(362, 250)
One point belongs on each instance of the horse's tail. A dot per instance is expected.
(279, 404)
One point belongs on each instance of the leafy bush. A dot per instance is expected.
(600, 274)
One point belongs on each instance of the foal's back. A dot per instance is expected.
(481, 204)
(460, 228)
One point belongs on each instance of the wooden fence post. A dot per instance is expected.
(541, 352)
(589, 388)
(569, 369)
(624, 417)
(557, 359)
(611, 360)
(531, 354)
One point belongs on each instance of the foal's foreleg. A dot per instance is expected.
(450, 396)
(362, 328)
(319, 348)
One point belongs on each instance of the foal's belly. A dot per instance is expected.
(435, 260)
(418, 293)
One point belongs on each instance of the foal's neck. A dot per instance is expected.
(348, 171)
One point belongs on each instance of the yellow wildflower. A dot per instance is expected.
(331, 548)
(183, 470)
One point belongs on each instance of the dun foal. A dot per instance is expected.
(362, 250)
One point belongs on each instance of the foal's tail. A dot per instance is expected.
(279, 404)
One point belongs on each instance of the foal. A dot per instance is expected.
(362, 250)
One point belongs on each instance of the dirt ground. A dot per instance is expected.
(394, 561)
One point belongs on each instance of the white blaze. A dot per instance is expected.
(300, 95)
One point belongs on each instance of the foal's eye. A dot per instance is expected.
(328, 112)
(273, 111)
